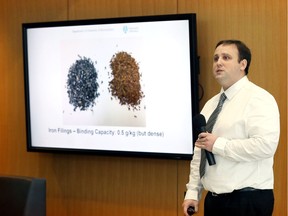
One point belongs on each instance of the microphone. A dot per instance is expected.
(199, 126)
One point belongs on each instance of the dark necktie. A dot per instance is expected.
(209, 126)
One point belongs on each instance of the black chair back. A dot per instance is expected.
(22, 196)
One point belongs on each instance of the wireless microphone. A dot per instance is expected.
(199, 125)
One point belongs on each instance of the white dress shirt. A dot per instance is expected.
(248, 129)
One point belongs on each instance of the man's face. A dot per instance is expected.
(226, 66)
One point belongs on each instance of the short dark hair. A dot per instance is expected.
(243, 50)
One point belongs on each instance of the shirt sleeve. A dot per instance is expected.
(194, 186)
(261, 132)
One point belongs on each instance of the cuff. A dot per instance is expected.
(219, 146)
(192, 195)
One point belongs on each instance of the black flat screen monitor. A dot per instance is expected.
(115, 86)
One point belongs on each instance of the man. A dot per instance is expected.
(243, 140)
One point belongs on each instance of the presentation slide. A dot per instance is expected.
(115, 87)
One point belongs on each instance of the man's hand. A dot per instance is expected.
(189, 202)
(206, 141)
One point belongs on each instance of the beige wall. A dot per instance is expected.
(83, 185)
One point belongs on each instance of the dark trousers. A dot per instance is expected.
(248, 203)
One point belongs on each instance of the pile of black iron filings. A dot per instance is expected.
(82, 84)
(125, 84)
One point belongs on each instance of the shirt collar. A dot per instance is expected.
(232, 90)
